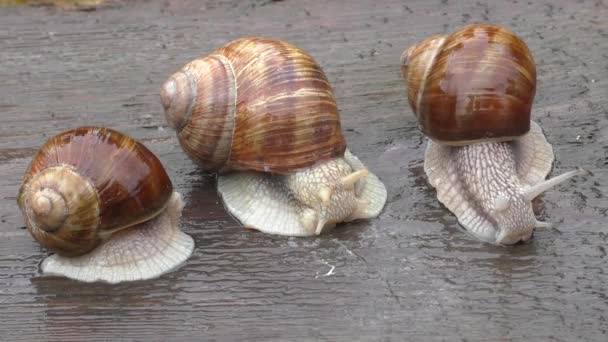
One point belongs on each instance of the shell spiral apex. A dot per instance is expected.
(176, 96)
(475, 84)
(48, 209)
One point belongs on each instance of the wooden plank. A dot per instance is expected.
(411, 274)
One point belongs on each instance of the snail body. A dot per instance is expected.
(99, 199)
(262, 114)
(472, 93)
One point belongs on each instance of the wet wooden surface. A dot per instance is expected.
(411, 274)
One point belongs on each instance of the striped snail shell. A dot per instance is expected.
(88, 184)
(262, 113)
(254, 104)
(474, 84)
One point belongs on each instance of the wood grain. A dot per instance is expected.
(411, 274)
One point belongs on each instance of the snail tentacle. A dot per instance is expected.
(539, 188)
(306, 202)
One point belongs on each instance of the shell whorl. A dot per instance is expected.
(177, 97)
(259, 104)
(87, 183)
(199, 102)
(49, 209)
(62, 210)
(475, 84)
(416, 63)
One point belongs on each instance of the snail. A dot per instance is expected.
(105, 205)
(261, 113)
(472, 93)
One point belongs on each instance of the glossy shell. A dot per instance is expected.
(476, 84)
(101, 180)
(254, 104)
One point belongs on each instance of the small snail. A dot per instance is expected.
(472, 93)
(81, 192)
(262, 113)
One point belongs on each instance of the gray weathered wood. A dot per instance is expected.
(411, 274)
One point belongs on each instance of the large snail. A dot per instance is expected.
(472, 93)
(261, 112)
(104, 203)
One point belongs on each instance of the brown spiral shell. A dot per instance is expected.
(85, 184)
(475, 84)
(254, 104)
